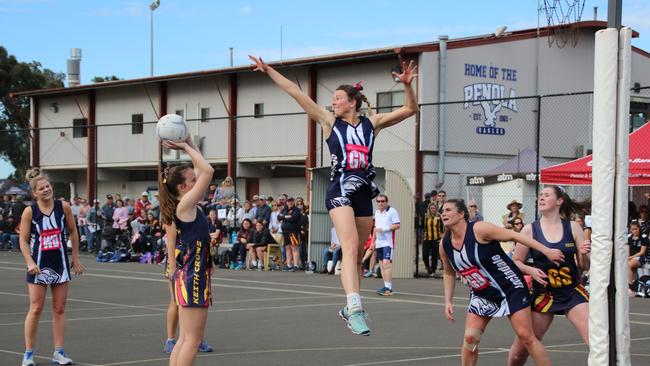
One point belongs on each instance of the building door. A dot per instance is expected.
(252, 187)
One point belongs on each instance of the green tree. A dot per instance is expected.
(16, 76)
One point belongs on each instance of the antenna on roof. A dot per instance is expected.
(281, 58)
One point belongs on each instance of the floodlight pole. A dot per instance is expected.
(153, 6)
(614, 10)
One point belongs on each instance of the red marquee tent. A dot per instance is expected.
(578, 172)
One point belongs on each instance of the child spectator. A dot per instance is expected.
(261, 238)
(120, 215)
(244, 237)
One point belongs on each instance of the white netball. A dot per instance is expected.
(172, 127)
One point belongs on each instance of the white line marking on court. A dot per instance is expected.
(417, 359)
(500, 350)
(262, 282)
(484, 351)
(92, 302)
(329, 349)
(283, 307)
(43, 357)
(67, 310)
(392, 299)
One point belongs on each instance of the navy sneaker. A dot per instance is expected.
(205, 347)
(385, 291)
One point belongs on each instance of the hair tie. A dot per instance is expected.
(165, 172)
(561, 189)
(358, 86)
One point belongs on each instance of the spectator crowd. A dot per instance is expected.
(241, 230)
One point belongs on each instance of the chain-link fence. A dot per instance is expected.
(493, 148)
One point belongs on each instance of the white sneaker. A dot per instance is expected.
(28, 359)
(60, 358)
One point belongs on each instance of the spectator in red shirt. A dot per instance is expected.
(142, 204)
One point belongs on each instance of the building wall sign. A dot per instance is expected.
(492, 98)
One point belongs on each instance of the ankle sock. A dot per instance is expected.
(354, 302)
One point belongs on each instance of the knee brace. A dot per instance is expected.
(472, 338)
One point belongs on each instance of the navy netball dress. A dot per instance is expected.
(352, 172)
(564, 290)
(179, 253)
(47, 246)
(497, 286)
(192, 279)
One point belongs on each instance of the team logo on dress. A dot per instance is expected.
(352, 183)
(340, 202)
(483, 307)
(48, 276)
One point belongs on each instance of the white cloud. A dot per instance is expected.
(246, 10)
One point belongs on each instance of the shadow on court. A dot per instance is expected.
(116, 316)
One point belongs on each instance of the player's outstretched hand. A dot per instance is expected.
(260, 65)
(408, 73)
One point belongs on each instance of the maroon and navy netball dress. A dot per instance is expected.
(352, 172)
(497, 286)
(192, 279)
(564, 290)
(47, 246)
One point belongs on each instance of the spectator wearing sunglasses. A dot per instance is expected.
(474, 215)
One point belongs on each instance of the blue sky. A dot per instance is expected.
(195, 35)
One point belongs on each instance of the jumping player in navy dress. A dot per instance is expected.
(497, 286)
(181, 189)
(556, 288)
(351, 139)
(43, 243)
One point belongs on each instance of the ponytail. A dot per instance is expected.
(370, 112)
(168, 191)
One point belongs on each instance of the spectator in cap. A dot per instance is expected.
(107, 210)
(514, 211)
(290, 217)
(142, 204)
(263, 212)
